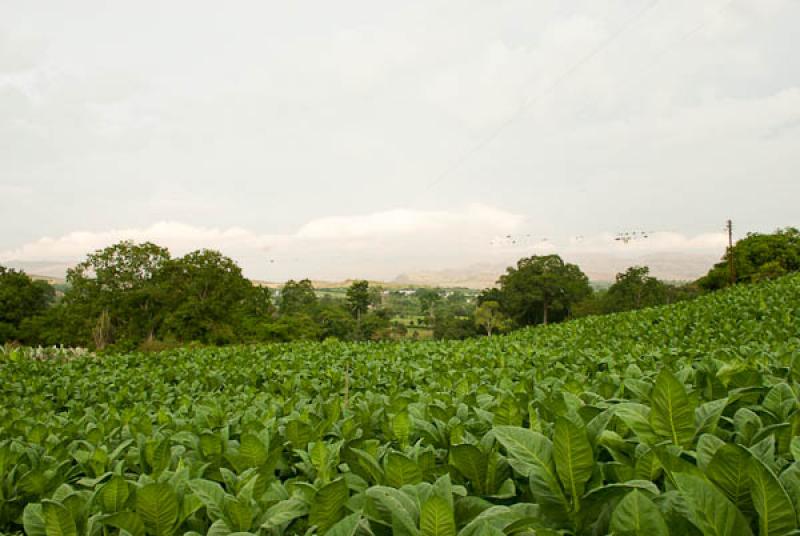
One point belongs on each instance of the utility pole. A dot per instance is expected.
(731, 273)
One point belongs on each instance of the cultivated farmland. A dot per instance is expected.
(675, 420)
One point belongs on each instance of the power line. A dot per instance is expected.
(531, 101)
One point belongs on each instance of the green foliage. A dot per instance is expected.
(358, 298)
(541, 289)
(490, 317)
(681, 420)
(635, 288)
(757, 257)
(297, 297)
(21, 300)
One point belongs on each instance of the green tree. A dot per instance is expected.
(358, 298)
(120, 285)
(335, 321)
(541, 288)
(489, 317)
(428, 297)
(757, 256)
(21, 298)
(297, 297)
(635, 288)
(208, 296)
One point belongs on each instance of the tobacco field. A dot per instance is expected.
(680, 420)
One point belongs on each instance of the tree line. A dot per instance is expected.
(129, 296)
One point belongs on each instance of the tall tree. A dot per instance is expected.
(489, 317)
(358, 298)
(207, 297)
(428, 297)
(118, 287)
(540, 286)
(635, 288)
(758, 256)
(297, 297)
(21, 298)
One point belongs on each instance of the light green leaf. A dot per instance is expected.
(157, 505)
(470, 462)
(636, 515)
(436, 518)
(33, 520)
(672, 414)
(709, 509)
(284, 512)
(776, 513)
(401, 427)
(211, 495)
(113, 495)
(399, 509)
(728, 469)
(57, 520)
(127, 521)
(346, 527)
(328, 505)
(573, 457)
(400, 470)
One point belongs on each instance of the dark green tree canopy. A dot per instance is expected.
(758, 256)
(358, 298)
(427, 297)
(297, 296)
(542, 288)
(635, 288)
(120, 284)
(20, 298)
(207, 296)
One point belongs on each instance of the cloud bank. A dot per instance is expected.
(378, 245)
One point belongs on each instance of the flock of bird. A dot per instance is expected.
(529, 240)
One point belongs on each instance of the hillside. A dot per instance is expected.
(571, 427)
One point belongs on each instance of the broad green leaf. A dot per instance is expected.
(573, 456)
(776, 514)
(57, 520)
(328, 505)
(637, 417)
(709, 509)
(728, 469)
(346, 527)
(211, 495)
(127, 521)
(157, 505)
(672, 414)
(284, 512)
(636, 515)
(252, 451)
(533, 454)
(707, 415)
(238, 513)
(470, 462)
(114, 494)
(400, 470)
(398, 507)
(436, 518)
(401, 427)
(707, 446)
(33, 520)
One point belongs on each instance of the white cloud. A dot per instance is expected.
(382, 244)
(409, 222)
(402, 231)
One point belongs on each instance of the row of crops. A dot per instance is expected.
(681, 420)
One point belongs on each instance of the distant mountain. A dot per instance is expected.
(49, 270)
(600, 267)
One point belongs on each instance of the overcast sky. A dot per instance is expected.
(369, 138)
